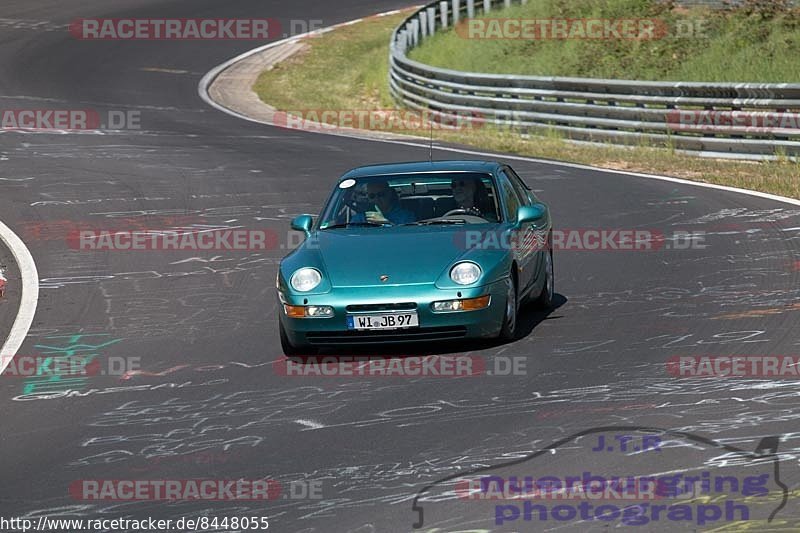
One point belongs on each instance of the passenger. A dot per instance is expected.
(387, 206)
(360, 200)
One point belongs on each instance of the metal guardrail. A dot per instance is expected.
(590, 109)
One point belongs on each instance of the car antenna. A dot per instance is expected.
(430, 145)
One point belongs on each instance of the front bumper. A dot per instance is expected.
(433, 326)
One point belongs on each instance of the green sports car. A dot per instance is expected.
(409, 252)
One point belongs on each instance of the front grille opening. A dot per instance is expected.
(386, 336)
(405, 306)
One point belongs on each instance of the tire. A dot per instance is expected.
(289, 349)
(509, 330)
(545, 298)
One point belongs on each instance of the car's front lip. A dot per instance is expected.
(372, 300)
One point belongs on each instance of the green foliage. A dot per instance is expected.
(758, 41)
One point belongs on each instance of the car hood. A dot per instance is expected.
(358, 257)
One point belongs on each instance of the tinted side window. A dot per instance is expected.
(510, 198)
(522, 189)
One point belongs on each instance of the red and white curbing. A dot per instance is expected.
(3, 281)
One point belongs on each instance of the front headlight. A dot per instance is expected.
(465, 273)
(305, 279)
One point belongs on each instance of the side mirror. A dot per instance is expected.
(531, 213)
(303, 223)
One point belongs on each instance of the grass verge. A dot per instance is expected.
(757, 42)
(347, 69)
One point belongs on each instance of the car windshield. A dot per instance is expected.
(446, 198)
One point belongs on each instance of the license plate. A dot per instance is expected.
(383, 321)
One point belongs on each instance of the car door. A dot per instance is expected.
(541, 230)
(524, 254)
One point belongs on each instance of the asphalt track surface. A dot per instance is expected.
(211, 404)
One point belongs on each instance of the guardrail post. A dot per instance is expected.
(487, 6)
(456, 11)
(431, 20)
(423, 22)
(443, 13)
(415, 32)
(402, 40)
(470, 9)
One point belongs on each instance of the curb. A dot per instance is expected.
(208, 80)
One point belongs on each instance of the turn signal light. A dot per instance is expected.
(471, 304)
(310, 311)
(474, 304)
(295, 311)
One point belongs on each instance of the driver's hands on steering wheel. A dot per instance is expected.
(473, 211)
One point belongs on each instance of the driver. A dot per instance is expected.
(387, 206)
(470, 195)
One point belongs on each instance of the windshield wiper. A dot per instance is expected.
(349, 224)
(438, 221)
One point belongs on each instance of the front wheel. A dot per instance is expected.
(545, 299)
(509, 330)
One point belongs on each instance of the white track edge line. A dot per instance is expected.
(28, 300)
(211, 75)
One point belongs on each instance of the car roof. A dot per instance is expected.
(422, 166)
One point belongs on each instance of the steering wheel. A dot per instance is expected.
(459, 211)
